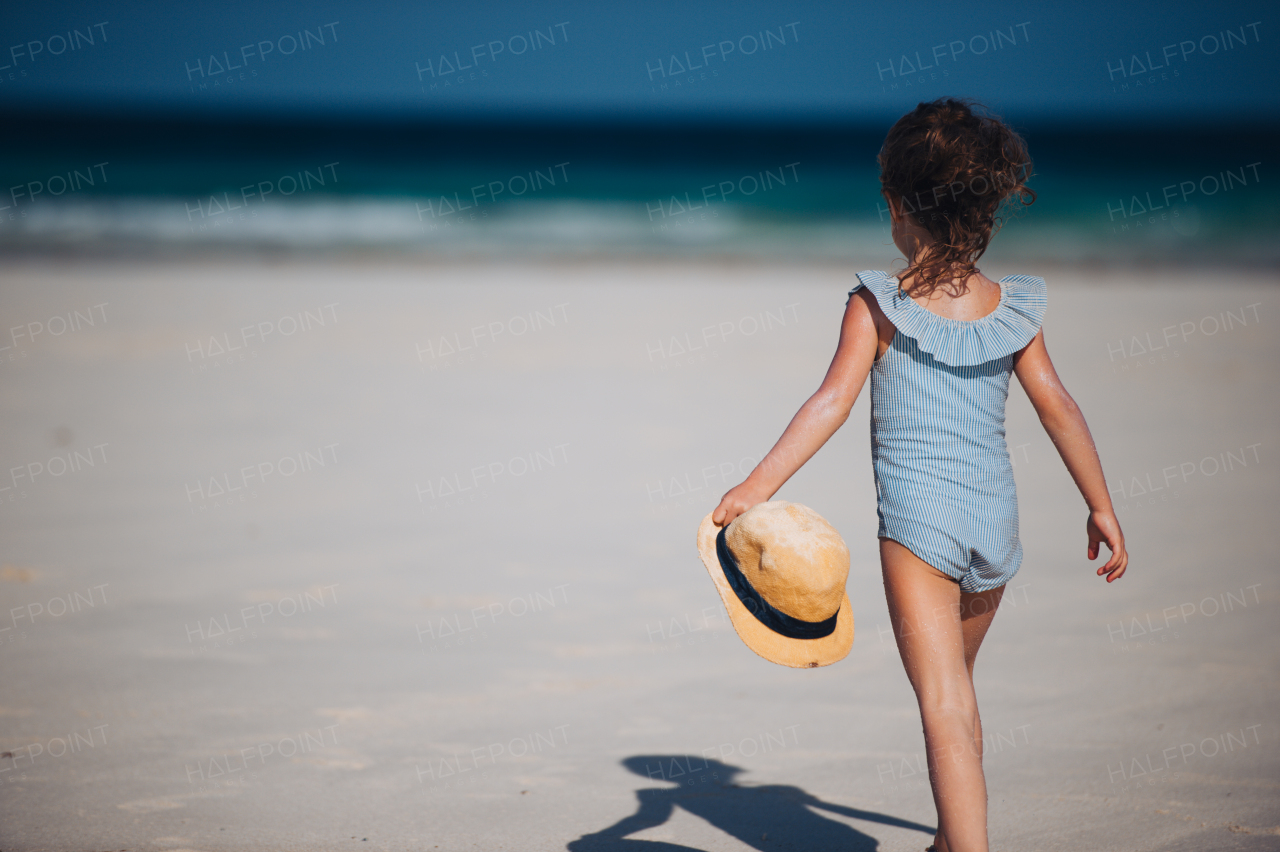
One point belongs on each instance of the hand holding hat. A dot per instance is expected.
(781, 569)
(737, 500)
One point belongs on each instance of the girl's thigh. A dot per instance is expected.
(977, 610)
(938, 627)
(924, 606)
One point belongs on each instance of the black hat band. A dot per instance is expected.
(767, 614)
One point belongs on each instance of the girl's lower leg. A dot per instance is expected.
(939, 841)
(959, 787)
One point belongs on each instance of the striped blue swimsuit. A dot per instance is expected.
(944, 481)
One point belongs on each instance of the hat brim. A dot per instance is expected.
(774, 647)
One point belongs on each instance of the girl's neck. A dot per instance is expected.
(954, 283)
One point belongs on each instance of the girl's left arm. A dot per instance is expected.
(1065, 426)
(820, 416)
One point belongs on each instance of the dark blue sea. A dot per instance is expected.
(129, 183)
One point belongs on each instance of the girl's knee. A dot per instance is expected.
(943, 709)
(959, 751)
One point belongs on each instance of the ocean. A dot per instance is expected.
(145, 184)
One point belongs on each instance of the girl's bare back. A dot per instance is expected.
(971, 300)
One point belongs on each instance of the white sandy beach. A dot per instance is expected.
(382, 554)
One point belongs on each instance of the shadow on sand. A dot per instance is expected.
(768, 817)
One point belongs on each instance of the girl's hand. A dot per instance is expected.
(1103, 526)
(737, 500)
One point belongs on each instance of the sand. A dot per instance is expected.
(377, 554)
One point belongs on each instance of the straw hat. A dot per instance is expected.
(780, 569)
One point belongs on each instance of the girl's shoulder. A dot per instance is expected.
(964, 343)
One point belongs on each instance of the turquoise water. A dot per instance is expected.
(813, 192)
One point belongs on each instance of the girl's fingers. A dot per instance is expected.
(725, 513)
(1116, 565)
(1117, 554)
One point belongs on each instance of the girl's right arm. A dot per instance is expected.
(1065, 425)
(820, 417)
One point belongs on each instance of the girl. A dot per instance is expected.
(940, 342)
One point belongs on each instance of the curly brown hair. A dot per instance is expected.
(952, 169)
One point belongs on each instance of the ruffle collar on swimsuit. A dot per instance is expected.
(964, 343)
